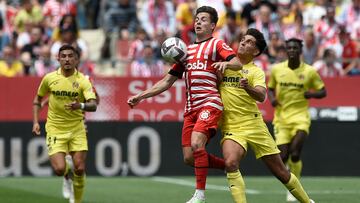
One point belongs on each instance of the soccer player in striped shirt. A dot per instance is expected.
(203, 107)
(242, 123)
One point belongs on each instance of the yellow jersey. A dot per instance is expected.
(63, 90)
(290, 86)
(239, 106)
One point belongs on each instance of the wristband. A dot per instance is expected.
(82, 106)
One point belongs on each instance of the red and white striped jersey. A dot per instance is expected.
(200, 77)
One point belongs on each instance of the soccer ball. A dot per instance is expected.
(173, 50)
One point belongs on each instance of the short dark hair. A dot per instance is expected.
(260, 40)
(296, 40)
(211, 11)
(69, 47)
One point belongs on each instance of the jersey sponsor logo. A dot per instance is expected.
(198, 65)
(65, 93)
(204, 115)
(231, 79)
(291, 84)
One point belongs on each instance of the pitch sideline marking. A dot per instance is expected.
(177, 181)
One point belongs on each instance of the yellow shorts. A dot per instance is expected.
(256, 134)
(72, 141)
(285, 133)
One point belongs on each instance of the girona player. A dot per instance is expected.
(203, 103)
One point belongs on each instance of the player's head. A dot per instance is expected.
(293, 48)
(205, 20)
(68, 57)
(253, 43)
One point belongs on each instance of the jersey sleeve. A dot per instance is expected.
(44, 86)
(225, 52)
(88, 90)
(259, 78)
(177, 70)
(316, 81)
(272, 79)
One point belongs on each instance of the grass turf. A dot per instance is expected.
(174, 189)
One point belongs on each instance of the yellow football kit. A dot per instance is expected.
(65, 128)
(290, 85)
(242, 121)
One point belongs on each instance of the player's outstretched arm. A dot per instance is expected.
(233, 64)
(36, 109)
(158, 88)
(316, 94)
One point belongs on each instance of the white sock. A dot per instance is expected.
(200, 194)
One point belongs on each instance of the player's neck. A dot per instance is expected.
(200, 38)
(294, 63)
(67, 72)
(245, 59)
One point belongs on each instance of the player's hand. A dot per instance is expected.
(220, 66)
(244, 83)
(133, 101)
(36, 129)
(73, 105)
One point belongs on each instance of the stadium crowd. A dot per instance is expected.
(32, 32)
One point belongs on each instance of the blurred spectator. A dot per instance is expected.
(44, 64)
(230, 31)
(23, 37)
(265, 23)
(311, 47)
(137, 46)
(121, 19)
(249, 12)
(68, 21)
(296, 29)
(327, 28)
(314, 12)
(9, 65)
(28, 13)
(185, 13)
(8, 14)
(156, 44)
(36, 41)
(350, 17)
(157, 16)
(69, 36)
(328, 67)
(54, 10)
(350, 53)
(273, 46)
(148, 65)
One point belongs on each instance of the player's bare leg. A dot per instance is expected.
(233, 153)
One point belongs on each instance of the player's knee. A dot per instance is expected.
(231, 165)
(189, 160)
(59, 171)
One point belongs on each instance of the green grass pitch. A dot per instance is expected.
(174, 189)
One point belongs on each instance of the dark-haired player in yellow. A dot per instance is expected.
(70, 93)
(291, 84)
(242, 122)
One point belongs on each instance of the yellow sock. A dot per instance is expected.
(295, 167)
(295, 188)
(79, 184)
(237, 186)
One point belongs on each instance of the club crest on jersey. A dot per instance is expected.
(75, 85)
(204, 115)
